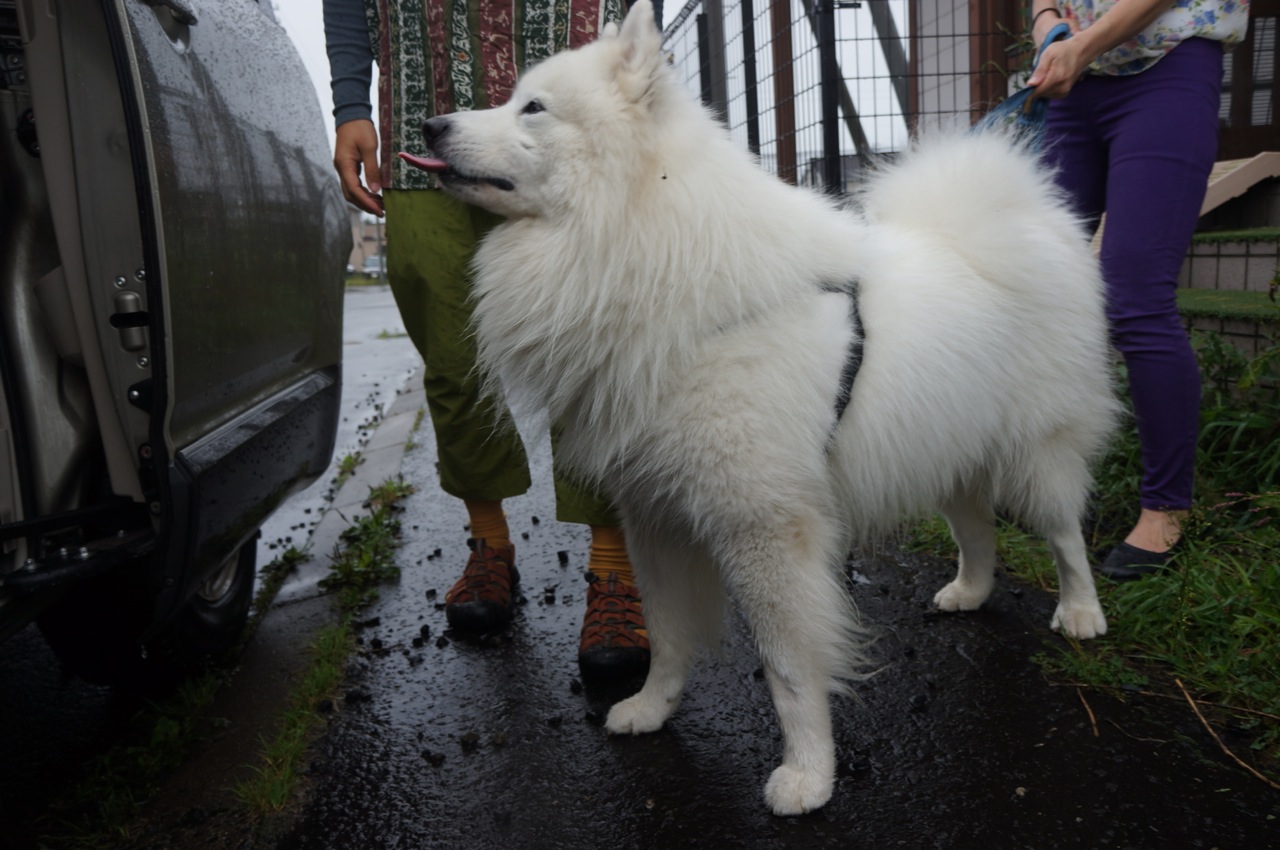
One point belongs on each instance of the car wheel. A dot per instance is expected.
(94, 630)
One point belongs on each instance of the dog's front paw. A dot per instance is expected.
(1080, 621)
(958, 596)
(794, 792)
(638, 715)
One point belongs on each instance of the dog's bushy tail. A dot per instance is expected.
(988, 195)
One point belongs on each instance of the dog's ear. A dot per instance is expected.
(641, 51)
(610, 30)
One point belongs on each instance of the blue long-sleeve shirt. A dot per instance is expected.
(346, 40)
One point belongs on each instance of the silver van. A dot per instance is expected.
(172, 252)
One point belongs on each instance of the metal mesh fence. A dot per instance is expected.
(818, 87)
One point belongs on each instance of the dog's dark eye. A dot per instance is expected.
(533, 107)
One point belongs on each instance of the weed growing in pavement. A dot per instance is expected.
(276, 776)
(361, 563)
(411, 444)
(347, 468)
(366, 556)
(270, 579)
(1212, 621)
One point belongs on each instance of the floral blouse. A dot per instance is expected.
(1220, 20)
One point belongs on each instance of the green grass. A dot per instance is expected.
(1238, 450)
(410, 444)
(347, 468)
(1223, 619)
(104, 809)
(365, 557)
(364, 560)
(1212, 622)
(279, 769)
(358, 280)
(270, 579)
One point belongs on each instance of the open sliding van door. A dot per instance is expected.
(196, 293)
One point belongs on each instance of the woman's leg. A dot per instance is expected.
(1162, 140)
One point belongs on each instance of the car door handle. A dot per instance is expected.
(180, 9)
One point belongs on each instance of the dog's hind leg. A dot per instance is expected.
(684, 609)
(973, 527)
(1079, 614)
(803, 624)
(1054, 494)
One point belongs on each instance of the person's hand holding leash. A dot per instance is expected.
(1064, 61)
(1060, 63)
(356, 149)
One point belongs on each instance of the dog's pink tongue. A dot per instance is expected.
(424, 162)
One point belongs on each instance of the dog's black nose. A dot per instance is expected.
(434, 128)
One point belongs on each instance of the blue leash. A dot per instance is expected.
(1023, 110)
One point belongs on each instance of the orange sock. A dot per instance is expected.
(609, 553)
(488, 522)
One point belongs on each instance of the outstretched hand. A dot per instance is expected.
(356, 150)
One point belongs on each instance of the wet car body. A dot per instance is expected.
(170, 319)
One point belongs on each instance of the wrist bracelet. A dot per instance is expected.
(1037, 15)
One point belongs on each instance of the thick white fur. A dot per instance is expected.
(660, 297)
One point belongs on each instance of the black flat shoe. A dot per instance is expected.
(1129, 563)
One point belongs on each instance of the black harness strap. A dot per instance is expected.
(853, 360)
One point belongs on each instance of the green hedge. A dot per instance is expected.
(1228, 304)
(1252, 234)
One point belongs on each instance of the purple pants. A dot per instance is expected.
(1140, 148)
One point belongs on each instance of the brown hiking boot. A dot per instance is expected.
(615, 643)
(481, 601)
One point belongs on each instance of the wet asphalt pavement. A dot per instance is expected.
(448, 742)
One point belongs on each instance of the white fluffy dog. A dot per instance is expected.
(686, 318)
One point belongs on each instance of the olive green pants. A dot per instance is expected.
(431, 239)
